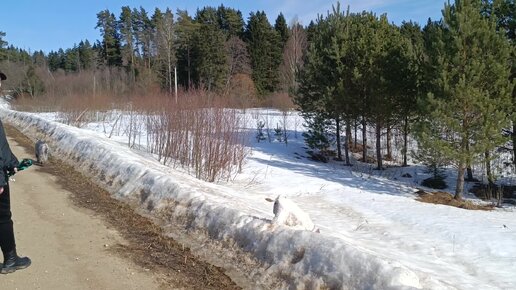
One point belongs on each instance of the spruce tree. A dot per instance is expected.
(265, 52)
(210, 51)
(282, 28)
(72, 59)
(185, 30)
(86, 55)
(38, 59)
(318, 135)
(3, 45)
(230, 21)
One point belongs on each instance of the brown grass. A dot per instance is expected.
(445, 198)
(147, 245)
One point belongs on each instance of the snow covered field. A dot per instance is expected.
(374, 235)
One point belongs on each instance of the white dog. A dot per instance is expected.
(41, 151)
(287, 213)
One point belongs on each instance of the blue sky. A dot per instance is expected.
(53, 24)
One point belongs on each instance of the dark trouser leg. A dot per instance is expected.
(7, 237)
(12, 261)
(6, 224)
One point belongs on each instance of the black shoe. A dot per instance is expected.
(12, 262)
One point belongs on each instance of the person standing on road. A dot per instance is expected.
(8, 164)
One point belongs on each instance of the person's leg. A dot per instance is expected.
(7, 242)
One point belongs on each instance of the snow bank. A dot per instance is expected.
(305, 259)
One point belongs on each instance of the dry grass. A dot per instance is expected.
(445, 198)
(147, 245)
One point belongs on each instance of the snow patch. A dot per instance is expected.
(305, 259)
(287, 213)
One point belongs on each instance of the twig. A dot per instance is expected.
(114, 125)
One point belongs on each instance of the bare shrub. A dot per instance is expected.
(241, 92)
(202, 132)
(280, 101)
(198, 133)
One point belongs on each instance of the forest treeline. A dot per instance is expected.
(449, 83)
(214, 49)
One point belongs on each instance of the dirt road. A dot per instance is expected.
(79, 238)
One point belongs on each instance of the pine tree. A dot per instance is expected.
(311, 96)
(469, 111)
(324, 92)
(126, 34)
(111, 52)
(144, 42)
(413, 75)
(365, 76)
(386, 49)
(166, 53)
(125, 25)
(503, 11)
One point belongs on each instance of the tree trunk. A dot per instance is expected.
(514, 143)
(405, 142)
(488, 169)
(169, 74)
(348, 141)
(469, 170)
(469, 174)
(460, 181)
(339, 150)
(349, 137)
(389, 149)
(356, 130)
(189, 73)
(364, 140)
(379, 145)
(490, 178)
